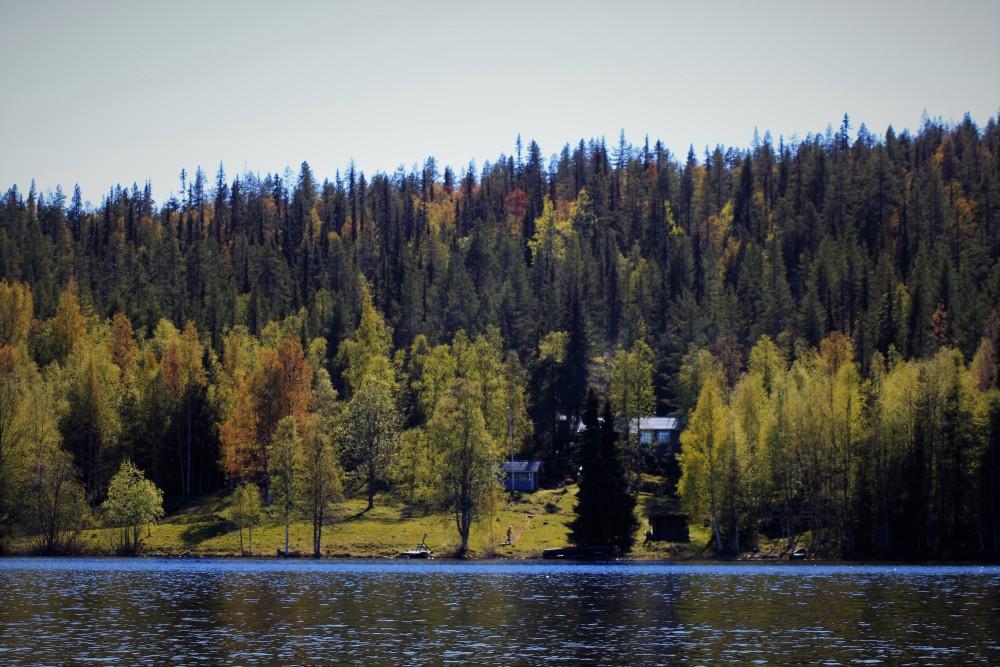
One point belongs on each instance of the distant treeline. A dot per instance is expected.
(603, 263)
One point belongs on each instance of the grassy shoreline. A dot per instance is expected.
(204, 528)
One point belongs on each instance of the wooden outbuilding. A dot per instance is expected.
(522, 475)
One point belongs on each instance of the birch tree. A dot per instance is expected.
(246, 511)
(470, 457)
(318, 482)
(284, 468)
(703, 459)
(632, 399)
(133, 502)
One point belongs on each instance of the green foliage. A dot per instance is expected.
(707, 451)
(605, 508)
(372, 418)
(184, 372)
(246, 512)
(92, 422)
(553, 346)
(813, 447)
(473, 397)
(68, 326)
(632, 398)
(318, 481)
(16, 310)
(133, 502)
(39, 486)
(55, 507)
(548, 245)
(180, 334)
(17, 375)
(372, 342)
(371, 428)
(469, 457)
(415, 468)
(284, 466)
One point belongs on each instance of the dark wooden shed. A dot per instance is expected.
(669, 527)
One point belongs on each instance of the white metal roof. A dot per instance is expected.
(646, 424)
(658, 423)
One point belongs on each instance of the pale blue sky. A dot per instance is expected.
(106, 92)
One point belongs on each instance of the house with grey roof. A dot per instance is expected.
(659, 435)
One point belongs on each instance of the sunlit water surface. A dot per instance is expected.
(152, 611)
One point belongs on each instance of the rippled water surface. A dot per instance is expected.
(252, 612)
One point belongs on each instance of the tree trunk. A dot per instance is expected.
(92, 464)
(180, 460)
(464, 516)
(317, 532)
(734, 537)
(187, 479)
(371, 485)
(463, 531)
(54, 521)
(716, 532)
(286, 530)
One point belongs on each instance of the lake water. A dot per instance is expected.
(151, 611)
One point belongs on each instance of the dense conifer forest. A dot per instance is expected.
(823, 313)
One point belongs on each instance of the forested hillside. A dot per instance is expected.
(861, 270)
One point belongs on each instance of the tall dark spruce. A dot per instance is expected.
(605, 510)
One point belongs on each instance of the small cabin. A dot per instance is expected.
(522, 475)
(662, 434)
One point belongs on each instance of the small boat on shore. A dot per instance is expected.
(422, 551)
(602, 552)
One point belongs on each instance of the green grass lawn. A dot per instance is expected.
(538, 521)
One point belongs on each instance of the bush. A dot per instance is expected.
(133, 502)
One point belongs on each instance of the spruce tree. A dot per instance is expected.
(605, 510)
(620, 503)
(586, 527)
(574, 371)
